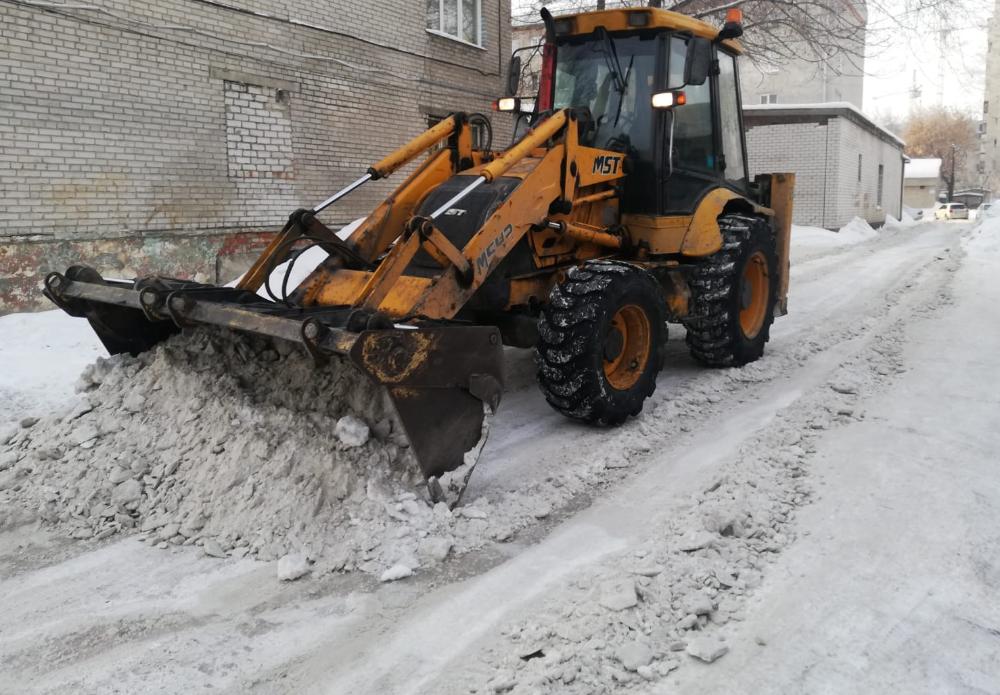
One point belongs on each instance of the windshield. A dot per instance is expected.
(585, 78)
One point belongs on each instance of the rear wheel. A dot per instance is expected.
(600, 342)
(733, 294)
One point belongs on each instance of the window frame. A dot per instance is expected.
(880, 189)
(719, 145)
(439, 31)
(716, 177)
(695, 172)
(432, 118)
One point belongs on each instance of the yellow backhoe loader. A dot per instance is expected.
(623, 204)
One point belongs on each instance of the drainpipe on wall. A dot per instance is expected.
(902, 184)
(826, 172)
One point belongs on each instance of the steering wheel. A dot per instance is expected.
(588, 126)
(619, 143)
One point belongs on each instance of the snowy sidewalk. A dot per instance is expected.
(894, 589)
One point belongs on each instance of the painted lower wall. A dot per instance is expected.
(212, 258)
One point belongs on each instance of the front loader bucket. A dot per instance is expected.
(114, 311)
(444, 379)
(445, 382)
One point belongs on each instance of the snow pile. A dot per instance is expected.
(905, 221)
(856, 231)
(809, 243)
(986, 237)
(240, 445)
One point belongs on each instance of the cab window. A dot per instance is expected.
(614, 81)
(618, 104)
(693, 142)
(729, 119)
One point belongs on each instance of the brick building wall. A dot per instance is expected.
(800, 148)
(857, 193)
(176, 136)
(822, 146)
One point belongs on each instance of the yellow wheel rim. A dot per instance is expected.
(755, 293)
(624, 368)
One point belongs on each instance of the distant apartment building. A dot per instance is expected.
(810, 77)
(177, 136)
(990, 129)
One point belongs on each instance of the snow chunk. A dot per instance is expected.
(212, 548)
(634, 655)
(396, 572)
(696, 541)
(618, 594)
(706, 649)
(128, 491)
(351, 431)
(292, 566)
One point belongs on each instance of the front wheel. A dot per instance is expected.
(600, 342)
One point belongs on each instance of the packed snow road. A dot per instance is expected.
(816, 522)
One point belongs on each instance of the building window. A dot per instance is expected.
(479, 134)
(769, 98)
(859, 167)
(881, 176)
(456, 19)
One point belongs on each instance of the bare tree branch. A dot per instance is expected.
(812, 30)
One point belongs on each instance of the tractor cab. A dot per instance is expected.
(660, 87)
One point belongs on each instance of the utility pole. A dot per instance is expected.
(951, 181)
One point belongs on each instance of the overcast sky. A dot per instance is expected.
(949, 67)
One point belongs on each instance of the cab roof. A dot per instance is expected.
(633, 18)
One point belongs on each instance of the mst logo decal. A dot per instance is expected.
(607, 165)
(486, 257)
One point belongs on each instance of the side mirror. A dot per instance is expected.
(698, 61)
(513, 75)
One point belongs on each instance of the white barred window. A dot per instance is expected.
(457, 19)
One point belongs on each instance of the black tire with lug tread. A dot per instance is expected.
(733, 294)
(600, 343)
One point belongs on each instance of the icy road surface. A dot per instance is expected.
(866, 438)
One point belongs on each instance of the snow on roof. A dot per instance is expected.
(825, 107)
(922, 169)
